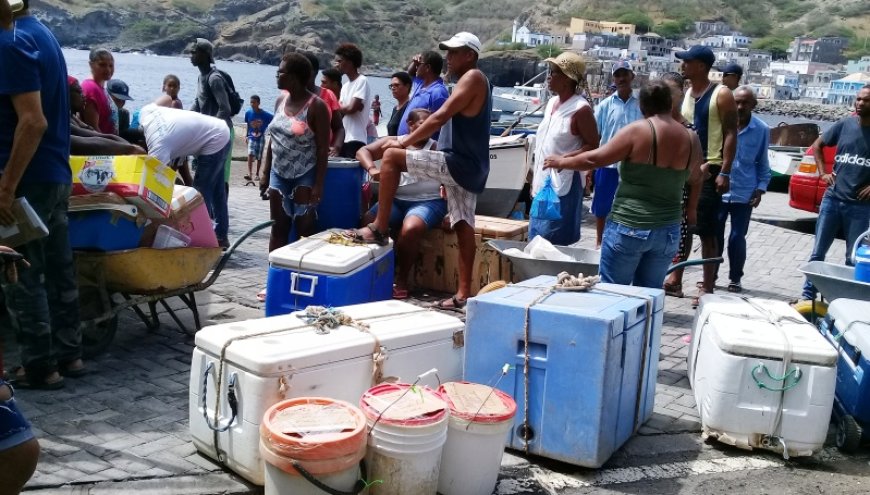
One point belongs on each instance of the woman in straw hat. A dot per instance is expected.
(568, 128)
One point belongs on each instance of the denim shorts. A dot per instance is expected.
(431, 211)
(14, 429)
(639, 257)
(287, 187)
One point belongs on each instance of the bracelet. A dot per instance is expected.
(723, 174)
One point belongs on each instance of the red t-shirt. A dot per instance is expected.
(96, 94)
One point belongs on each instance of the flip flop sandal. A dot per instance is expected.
(247, 177)
(379, 238)
(400, 294)
(261, 296)
(673, 290)
(451, 304)
(20, 380)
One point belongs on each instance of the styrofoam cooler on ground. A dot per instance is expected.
(313, 271)
(593, 363)
(268, 360)
(408, 426)
(745, 395)
(847, 327)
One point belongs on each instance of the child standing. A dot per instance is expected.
(257, 120)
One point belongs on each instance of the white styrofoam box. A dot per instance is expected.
(735, 347)
(292, 360)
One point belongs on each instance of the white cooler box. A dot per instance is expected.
(314, 271)
(745, 396)
(271, 359)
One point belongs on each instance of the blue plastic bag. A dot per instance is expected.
(546, 205)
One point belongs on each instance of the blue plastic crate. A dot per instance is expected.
(312, 271)
(594, 361)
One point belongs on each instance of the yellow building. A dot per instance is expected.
(578, 26)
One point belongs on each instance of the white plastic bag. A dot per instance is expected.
(542, 249)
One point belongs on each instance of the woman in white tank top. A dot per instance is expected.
(568, 128)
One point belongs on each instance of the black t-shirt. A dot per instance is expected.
(395, 120)
(852, 162)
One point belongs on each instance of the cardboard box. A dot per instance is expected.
(139, 179)
(437, 266)
(27, 227)
(188, 215)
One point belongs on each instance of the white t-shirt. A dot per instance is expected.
(355, 125)
(554, 137)
(172, 133)
(413, 188)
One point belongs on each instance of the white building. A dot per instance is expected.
(736, 40)
(790, 80)
(524, 35)
(798, 67)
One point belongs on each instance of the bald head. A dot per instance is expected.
(744, 97)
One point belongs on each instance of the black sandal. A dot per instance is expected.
(451, 304)
(379, 238)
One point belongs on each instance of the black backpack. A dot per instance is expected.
(236, 101)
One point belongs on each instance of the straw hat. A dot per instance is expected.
(571, 64)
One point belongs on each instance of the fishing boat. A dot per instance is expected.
(784, 160)
(788, 143)
(508, 167)
(519, 98)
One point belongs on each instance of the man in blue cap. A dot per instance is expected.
(612, 114)
(712, 110)
(731, 75)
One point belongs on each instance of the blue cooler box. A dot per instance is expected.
(105, 227)
(313, 271)
(593, 367)
(847, 327)
(342, 196)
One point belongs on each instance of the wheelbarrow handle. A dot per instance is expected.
(222, 262)
(702, 261)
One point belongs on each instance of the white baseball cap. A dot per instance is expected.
(460, 40)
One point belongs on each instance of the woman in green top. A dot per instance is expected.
(658, 156)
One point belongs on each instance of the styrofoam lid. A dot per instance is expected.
(853, 317)
(741, 328)
(316, 254)
(478, 403)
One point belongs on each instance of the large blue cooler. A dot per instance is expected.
(314, 271)
(105, 227)
(341, 206)
(593, 363)
(847, 327)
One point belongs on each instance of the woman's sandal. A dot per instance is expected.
(378, 237)
(673, 290)
(18, 378)
(452, 303)
(400, 294)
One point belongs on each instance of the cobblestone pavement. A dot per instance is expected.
(123, 426)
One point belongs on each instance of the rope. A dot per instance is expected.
(796, 374)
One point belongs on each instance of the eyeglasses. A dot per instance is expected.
(394, 86)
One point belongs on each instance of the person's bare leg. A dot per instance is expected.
(675, 278)
(259, 164)
(251, 165)
(305, 224)
(392, 166)
(282, 225)
(599, 230)
(407, 247)
(467, 250)
(17, 464)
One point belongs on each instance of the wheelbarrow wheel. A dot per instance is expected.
(96, 337)
(848, 434)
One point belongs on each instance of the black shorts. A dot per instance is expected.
(708, 205)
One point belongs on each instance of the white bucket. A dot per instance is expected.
(323, 437)
(480, 419)
(405, 439)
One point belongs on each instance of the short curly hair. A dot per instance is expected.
(297, 66)
(350, 52)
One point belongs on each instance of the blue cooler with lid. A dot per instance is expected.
(341, 206)
(313, 271)
(593, 363)
(105, 227)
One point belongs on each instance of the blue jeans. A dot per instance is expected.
(209, 181)
(287, 188)
(44, 304)
(14, 428)
(566, 230)
(740, 214)
(639, 257)
(431, 211)
(854, 218)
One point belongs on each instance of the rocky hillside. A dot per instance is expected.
(389, 31)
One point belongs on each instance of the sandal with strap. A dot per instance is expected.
(378, 237)
(452, 303)
(674, 290)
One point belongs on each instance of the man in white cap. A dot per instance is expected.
(612, 114)
(461, 163)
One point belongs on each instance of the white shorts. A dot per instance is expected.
(461, 203)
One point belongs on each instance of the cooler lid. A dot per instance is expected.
(743, 327)
(853, 317)
(292, 345)
(317, 254)
(342, 163)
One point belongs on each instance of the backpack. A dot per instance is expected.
(236, 101)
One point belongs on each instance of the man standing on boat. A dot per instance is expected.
(846, 203)
(711, 108)
(428, 90)
(461, 163)
(612, 114)
(212, 99)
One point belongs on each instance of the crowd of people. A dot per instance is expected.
(681, 156)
